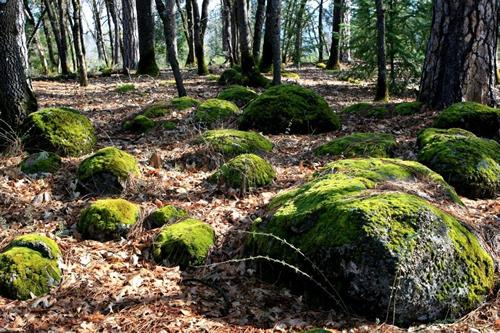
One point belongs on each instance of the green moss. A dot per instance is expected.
(359, 145)
(477, 118)
(107, 219)
(147, 65)
(47, 247)
(231, 76)
(367, 110)
(214, 111)
(156, 110)
(108, 160)
(106, 71)
(320, 65)
(244, 171)
(290, 75)
(239, 95)
(184, 103)
(124, 88)
(169, 125)
(165, 215)
(213, 77)
(469, 163)
(139, 124)
(60, 130)
(289, 109)
(234, 76)
(184, 243)
(408, 108)
(231, 142)
(42, 162)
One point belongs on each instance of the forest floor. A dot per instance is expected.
(115, 286)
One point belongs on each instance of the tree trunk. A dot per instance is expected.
(146, 26)
(320, 31)
(297, 54)
(247, 61)
(130, 44)
(60, 42)
(167, 16)
(461, 52)
(227, 46)
(101, 49)
(117, 45)
(334, 59)
(260, 14)
(276, 30)
(63, 49)
(345, 33)
(266, 61)
(77, 40)
(48, 40)
(381, 93)
(190, 61)
(16, 95)
(199, 29)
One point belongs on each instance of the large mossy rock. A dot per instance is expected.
(243, 172)
(41, 162)
(239, 95)
(231, 142)
(231, 76)
(156, 110)
(469, 163)
(29, 265)
(479, 119)
(166, 215)
(215, 111)
(183, 244)
(368, 237)
(107, 171)
(184, 103)
(359, 145)
(289, 109)
(59, 130)
(366, 110)
(139, 124)
(107, 219)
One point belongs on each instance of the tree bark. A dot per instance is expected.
(345, 33)
(117, 45)
(334, 59)
(200, 23)
(247, 61)
(266, 60)
(48, 40)
(461, 53)
(16, 95)
(101, 49)
(77, 40)
(381, 91)
(227, 45)
(299, 18)
(320, 31)
(276, 42)
(146, 26)
(63, 48)
(190, 61)
(260, 15)
(167, 16)
(130, 44)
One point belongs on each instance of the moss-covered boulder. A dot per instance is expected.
(359, 145)
(166, 215)
(408, 108)
(289, 109)
(139, 124)
(375, 244)
(156, 110)
(184, 103)
(479, 119)
(107, 219)
(229, 142)
(108, 171)
(29, 265)
(62, 131)
(231, 76)
(239, 95)
(290, 75)
(183, 244)
(366, 110)
(215, 111)
(41, 162)
(243, 172)
(469, 163)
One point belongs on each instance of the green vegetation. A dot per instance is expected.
(165, 215)
(184, 103)
(290, 75)
(42, 162)
(231, 76)
(156, 110)
(62, 131)
(139, 124)
(231, 142)
(289, 109)
(107, 219)
(214, 111)
(359, 145)
(124, 88)
(239, 95)
(408, 108)
(183, 244)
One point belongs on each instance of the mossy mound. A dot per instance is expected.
(477, 118)
(169, 125)
(231, 76)
(214, 111)
(139, 124)
(321, 65)
(29, 265)
(289, 109)
(231, 142)
(165, 215)
(243, 172)
(124, 88)
(367, 110)
(62, 131)
(365, 235)
(184, 103)
(239, 95)
(107, 219)
(359, 145)
(290, 75)
(42, 162)
(156, 110)
(408, 108)
(183, 244)
(469, 163)
(107, 171)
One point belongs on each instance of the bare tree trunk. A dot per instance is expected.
(227, 45)
(200, 23)
(460, 59)
(130, 44)
(58, 34)
(334, 59)
(16, 95)
(48, 40)
(260, 15)
(146, 25)
(266, 60)
(320, 31)
(77, 40)
(167, 15)
(345, 33)
(101, 49)
(190, 61)
(247, 61)
(381, 93)
(299, 18)
(69, 28)
(276, 30)
(63, 49)
(235, 33)
(117, 45)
